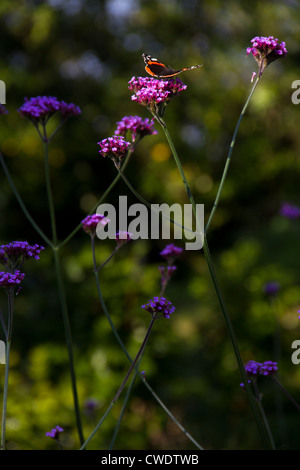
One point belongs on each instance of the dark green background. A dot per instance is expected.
(85, 52)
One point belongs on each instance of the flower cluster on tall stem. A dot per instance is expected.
(155, 93)
(12, 257)
(265, 50)
(170, 253)
(40, 109)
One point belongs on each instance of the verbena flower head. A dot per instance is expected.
(3, 109)
(254, 369)
(155, 94)
(271, 288)
(89, 224)
(265, 50)
(90, 405)
(268, 368)
(16, 253)
(10, 280)
(68, 110)
(55, 432)
(289, 211)
(159, 307)
(123, 237)
(170, 252)
(41, 108)
(115, 148)
(136, 125)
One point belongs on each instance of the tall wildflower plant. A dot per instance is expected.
(12, 258)
(155, 94)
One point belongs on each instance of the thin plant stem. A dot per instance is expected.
(61, 292)
(228, 159)
(286, 392)
(3, 323)
(268, 433)
(114, 400)
(6, 373)
(49, 193)
(68, 338)
(146, 203)
(117, 336)
(22, 205)
(208, 258)
(102, 198)
(125, 402)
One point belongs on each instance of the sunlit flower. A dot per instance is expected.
(136, 125)
(154, 93)
(115, 148)
(41, 108)
(265, 50)
(89, 224)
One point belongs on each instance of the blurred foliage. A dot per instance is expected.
(86, 51)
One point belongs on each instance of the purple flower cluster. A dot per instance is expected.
(10, 280)
(16, 253)
(123, 237)
(115, 148)
(159, 307)
(254, 369)
(55, 432)
(265, 50)
(136, 125)
(3, 110)
(271, 288)
(289, 211)
(170, 252)
(153, 93)
(41, 108)
(89, 224)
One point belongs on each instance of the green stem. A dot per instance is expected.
(49, 193)
(6, 373)
(207, 255)
(116, 430)
(228, 159)
(269, 438)
(68, 338)
(61, 292)
(5, 390)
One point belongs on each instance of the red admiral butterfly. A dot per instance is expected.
(157, 69)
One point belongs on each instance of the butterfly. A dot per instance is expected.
(157, 69)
